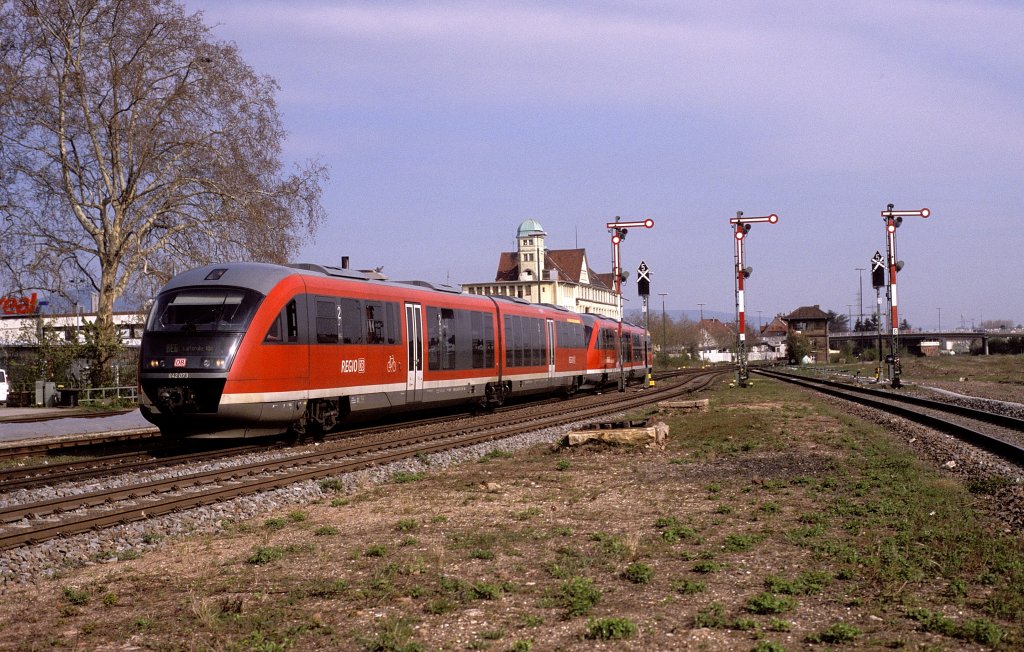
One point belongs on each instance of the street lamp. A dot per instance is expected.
(742, 227)
(893, 219)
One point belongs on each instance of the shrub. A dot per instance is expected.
(579, 595)
(638, 573)
(610, 629)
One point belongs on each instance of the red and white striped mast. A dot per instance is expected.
(893, 219)
(742, 225)
(618, 229)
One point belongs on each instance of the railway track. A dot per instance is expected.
(997, 433)
(32, 522)
(140, 441)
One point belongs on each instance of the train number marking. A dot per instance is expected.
(357, 366)
(181, 375)
(181, 362)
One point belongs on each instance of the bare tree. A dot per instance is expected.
(134, 145)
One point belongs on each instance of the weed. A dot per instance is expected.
(440, 606)
(402, 477)
(769, 508)
(527, 514)
(493, 634)
(494, 454)
(407, 525)
(393, 634)
(562, 465)
(109, 599)
(325, 531)
(836, 634)
(638, 573)
(265, 555)
(331, 485)
(712, 617)
(522, 645)
(742, 542)
(563, 531)
(980, 631)
(769, 603)
(340, 502)
(610, 544)
(481, 553)
(807, 583)
(779, 625)
(724, 509)
(485, 591)
(274, 524)
(151, 538)
(688, 587)
(579, 595)
(610, 629)
(439, 519)
(529, 620)
(297, 516)
(707, 566)
(76, 596)
(767, 646)
(376, 550)
(673, 531)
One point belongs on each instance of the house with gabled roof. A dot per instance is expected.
(812, 322)
(562, 277)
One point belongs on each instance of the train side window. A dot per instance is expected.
(291, 322)
(391, 317)
(274, 332)
(488, 341)
(351, 321)
(327, 321)
(375, 324)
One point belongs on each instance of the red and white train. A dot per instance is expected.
(249, 349)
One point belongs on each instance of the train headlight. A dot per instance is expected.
(213, 363)
(156, 363)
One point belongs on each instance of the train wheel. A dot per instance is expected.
(572, 388)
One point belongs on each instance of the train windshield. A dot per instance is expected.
(214, 310)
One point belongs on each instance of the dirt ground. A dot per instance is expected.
(760, 526)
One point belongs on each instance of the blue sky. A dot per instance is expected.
(445, 124)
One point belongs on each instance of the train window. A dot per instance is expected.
(463, 339)
(285, 327)
(391, 318)
(588, 331)
(327, 321)
(351, 321)
(376, 331)
(203, 309)
(274, 332)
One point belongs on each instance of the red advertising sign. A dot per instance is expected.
(12, 305)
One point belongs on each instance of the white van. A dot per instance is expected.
(3, 387)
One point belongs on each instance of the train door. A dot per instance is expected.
(414, 346)
(551, 348)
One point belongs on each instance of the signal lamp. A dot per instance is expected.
(899, 265)
(747, 271)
